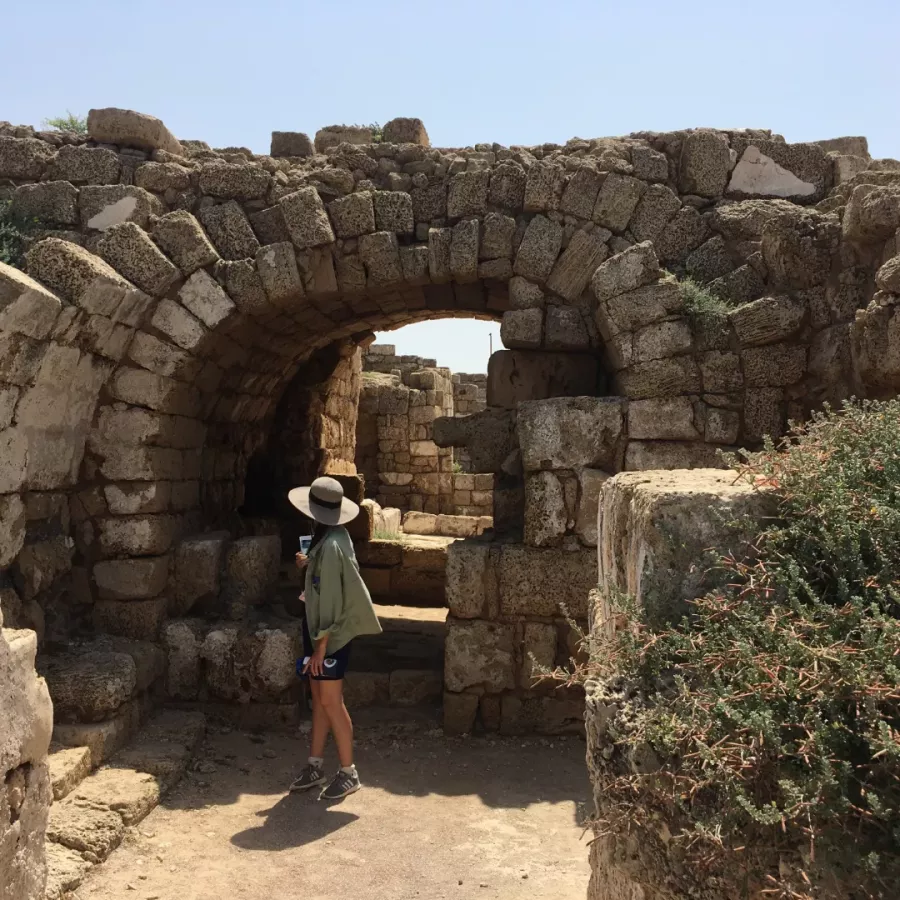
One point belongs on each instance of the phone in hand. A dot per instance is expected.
(305, 542)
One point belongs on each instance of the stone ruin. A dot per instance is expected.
(399, 401)
(181, 310)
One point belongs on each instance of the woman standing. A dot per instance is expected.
(338, 609)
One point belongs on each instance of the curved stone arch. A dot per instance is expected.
(161, 330)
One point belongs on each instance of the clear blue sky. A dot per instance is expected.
(493, 70)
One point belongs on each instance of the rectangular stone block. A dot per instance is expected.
(132, 579)
(542, 582)
(517, 375)
(572, 432)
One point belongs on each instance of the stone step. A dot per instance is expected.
(69, 766)
(89, 820)
(404, 688)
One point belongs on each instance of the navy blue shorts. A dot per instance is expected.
(336, 663)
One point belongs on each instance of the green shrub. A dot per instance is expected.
(704, 309)
(776, 702)
(13, 235)
(68, 122)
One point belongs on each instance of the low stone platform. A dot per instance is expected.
(410, 570)
(91, 815)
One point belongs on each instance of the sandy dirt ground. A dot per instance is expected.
(494, 819)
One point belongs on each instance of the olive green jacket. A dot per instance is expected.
(338, 603)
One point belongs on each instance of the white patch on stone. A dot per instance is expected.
(759, 175)
(114, 214)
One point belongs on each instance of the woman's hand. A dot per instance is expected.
(301, 559)
(316, 662)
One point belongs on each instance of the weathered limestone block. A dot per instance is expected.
(577, 263)
(129, 250)
(580, 193)
(660, 378)
(138, 535)
(617, 200)
(53, 202)
(684, 233)
(290, 143)
(706, 162)
(84, 165)
(710, 260)
(507, 189)
(658, 204)
(277, 267)
(69, 766)
(332, 135)
(85, 828)
(775, 365)
(763, 413)
(181, 238)
(182, 646)
(472, 580)
(161, 177)
(131, 129)
(872, 214)
(565, 329)
(229, 230)
(590, 482)
(41, 563)
(489, 435)
(393, 212)
(439, 243)
(459, 712)
(234, 181)
(206, 300)
(545, 581)
(546, 513)
(669, 419)
(464, 251)
(198, 569)
(626, 271)
(661, 340)
(497, 236)
(768, 320)
(479, 654)
(657, 528)
(643, 455)
(798, 249)
(139, 620)
(538, 652)
(514, 376)
(540, 246)
(132, 579)
(522, 329)
(24, 159)
(467, 194)
(380, 255)
(766, 168)
(649, 164)
(91, 686)
(102, 206)
(14, 283)
(887, 278)
(176, 323)
(68, 269)
(405, 131)
(353, 215)
(251, 568)
(414, 263)
(571, 432)
(543, 186)
(125, 791)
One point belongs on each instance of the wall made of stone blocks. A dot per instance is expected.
(406, 571)
(26, 721)
(510, 606)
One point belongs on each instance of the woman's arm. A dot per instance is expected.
(330, 590)
(317, 660)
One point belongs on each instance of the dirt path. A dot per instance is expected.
(437, 818)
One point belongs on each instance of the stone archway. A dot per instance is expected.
(177, 290)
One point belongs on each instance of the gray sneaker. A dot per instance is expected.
(342, 785)
(310, 777)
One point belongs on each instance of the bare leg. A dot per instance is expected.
(320, 723)
(332, 699)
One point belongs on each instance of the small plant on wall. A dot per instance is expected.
(68, 122)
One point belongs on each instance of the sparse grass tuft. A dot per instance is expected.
(68, 122)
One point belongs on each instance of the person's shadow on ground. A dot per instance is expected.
(295, 820)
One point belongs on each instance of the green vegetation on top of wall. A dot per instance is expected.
(703, 308)
(13, 235)
(68, 122)
(773, 708)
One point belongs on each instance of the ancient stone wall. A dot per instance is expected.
(401, 397)
(173, 292)
(26, 721)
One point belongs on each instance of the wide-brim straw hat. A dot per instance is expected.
(325, 502)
